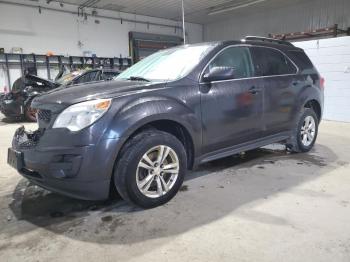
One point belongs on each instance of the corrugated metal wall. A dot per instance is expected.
(293, 16)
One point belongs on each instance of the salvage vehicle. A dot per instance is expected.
(170, 112)
(17, 103)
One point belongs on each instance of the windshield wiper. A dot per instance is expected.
(138, 78)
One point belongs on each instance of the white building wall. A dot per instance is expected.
(60, 32)
(332, 59)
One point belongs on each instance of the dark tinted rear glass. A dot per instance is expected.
(270, 62)
(109, 75)
(301, 59)
(88, 77)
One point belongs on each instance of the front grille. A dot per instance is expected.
(44, 115)
(26, 144)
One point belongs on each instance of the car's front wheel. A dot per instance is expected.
(150, 169)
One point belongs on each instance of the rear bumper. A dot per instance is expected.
(80, 171)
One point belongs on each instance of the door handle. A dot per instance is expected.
(254, 90)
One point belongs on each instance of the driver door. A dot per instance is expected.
(231, 109)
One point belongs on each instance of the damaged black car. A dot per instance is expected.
(17, 103)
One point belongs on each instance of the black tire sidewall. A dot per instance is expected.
(307, 112)
(130, 160)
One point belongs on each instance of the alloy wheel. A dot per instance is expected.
(157, 171)
(308, 131)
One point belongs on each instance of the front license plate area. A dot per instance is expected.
(15, 159)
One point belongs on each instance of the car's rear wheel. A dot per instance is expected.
(150, 169)
(305, 134)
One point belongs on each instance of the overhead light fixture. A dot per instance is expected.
(225, 8)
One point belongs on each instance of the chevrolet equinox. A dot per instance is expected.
(173, 110)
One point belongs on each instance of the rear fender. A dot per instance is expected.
(307, 93)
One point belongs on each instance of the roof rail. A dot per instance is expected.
(266, 39)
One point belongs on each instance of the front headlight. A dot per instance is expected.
(81, 115)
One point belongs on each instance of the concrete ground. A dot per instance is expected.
(265, 206)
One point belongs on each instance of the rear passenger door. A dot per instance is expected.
(278, 75)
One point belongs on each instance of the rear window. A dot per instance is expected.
(271, 62)
(87, 77)
(109, 75)
(301, 59)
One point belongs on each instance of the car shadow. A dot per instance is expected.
(13, 120)
(209, 193)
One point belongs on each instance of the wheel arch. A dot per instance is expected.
(168, 125)
(314, 105)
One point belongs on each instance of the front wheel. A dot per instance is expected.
(305, 133)
(150, 169)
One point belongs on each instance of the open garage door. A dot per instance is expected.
(332, 59)
(145, 44)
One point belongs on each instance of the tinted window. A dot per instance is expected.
(236, 57)
(269, 62)
(88, 77)
(109, 75)
(301, 59)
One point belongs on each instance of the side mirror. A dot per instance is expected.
(219, 73)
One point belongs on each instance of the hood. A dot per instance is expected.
(63, 97)
(41, 80)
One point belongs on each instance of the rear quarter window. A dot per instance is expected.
(302, 60)
(271, 62)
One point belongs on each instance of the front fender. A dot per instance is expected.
(143, 111)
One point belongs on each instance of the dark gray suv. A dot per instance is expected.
(175, 109)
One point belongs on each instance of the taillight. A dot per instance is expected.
(322, 81)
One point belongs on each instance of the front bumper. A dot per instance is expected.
(54, 160)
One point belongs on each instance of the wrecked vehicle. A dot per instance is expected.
(17, 103)
(170, 112)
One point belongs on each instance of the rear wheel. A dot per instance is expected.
(150, 169)
(305, 134)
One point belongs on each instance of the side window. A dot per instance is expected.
(88, 77)
(236, 57)
(270, 62)
(109, 75)
(302, 60)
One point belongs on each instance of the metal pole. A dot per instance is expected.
(183, 21)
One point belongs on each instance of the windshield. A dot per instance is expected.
(167, 65)
(68, 77)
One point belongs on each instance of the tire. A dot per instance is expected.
(130, 173)
(29, 113)
(296, 143)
